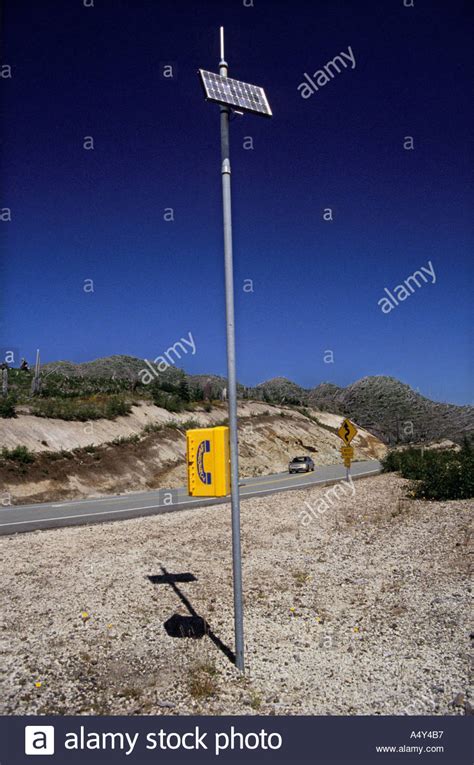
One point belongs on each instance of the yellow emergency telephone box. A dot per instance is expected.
(208, 462)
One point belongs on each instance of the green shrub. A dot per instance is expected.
(55, 385)
(18, 454)
(190, 425)
(134, 438)
(391, 462)
(437, 474)
(65, 409)
(83, 410)
(196, 392)
(449, 476)
(170, 401)
(152, 427)
(7, 407)
(410, 463)
(115, 406)
(302, 410)
(415, 463)
(63, 454)
(171, 391)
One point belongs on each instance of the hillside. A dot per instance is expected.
(384, 405)
(395, 412)
(281, 390)
(108, 366)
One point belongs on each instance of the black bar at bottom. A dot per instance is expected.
(319, 740)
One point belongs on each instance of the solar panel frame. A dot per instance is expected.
(234, 93)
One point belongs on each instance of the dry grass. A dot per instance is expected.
(202, 680)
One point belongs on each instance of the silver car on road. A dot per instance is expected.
(301, 465)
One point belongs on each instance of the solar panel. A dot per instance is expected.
(241, 95)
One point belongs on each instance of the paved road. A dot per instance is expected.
(21, 518)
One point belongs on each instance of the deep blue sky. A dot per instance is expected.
(98, 214)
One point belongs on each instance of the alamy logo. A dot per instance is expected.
(322, 76)
(39, 739)
(402, 291)
(166, 359)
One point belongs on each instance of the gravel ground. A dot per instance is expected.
(364, 610)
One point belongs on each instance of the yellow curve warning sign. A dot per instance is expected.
(347, 431)
(208, 462)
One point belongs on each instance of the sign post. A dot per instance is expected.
(346, 433)
(232, 95)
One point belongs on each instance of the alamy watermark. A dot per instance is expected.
(167, 359)
(331, 496)
(404, 290)
(322, 76)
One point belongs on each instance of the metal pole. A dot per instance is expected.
(35, 384)
(231, 375)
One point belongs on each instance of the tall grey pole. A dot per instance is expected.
(231, 374)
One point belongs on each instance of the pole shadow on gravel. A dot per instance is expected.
(193, 626)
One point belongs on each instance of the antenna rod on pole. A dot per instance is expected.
(222, 44)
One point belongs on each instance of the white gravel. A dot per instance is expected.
(363, 611)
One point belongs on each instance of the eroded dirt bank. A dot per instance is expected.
(78, 460)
